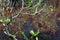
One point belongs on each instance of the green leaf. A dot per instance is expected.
(37, 32)
(25, 37)
(13, 37)
(39, 3)
(7, 21)
(30, 4)
(32, 33)
(1, 20)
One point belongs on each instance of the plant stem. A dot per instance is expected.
(36, 38)
(25, 37)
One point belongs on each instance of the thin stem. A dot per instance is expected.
(7, 32)
(3, 12)
(20, 10)
(25, 37)
(36, 38)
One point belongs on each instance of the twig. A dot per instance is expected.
(11, 11)
(37, 12)
(3, 10)
(20, 10)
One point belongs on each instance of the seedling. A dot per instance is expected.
(34, 34)
(25, 37)
(1, 20)
(39, 3)
(13, 37)
(7, 21)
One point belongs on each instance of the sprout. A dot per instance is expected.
(13, 37)
(25, 37)
(39, 3)
(7, 21)
(1, 20)
(34, 34)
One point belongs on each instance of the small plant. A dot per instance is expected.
(1, 20)
(34, 34)
(13, 37)
(7, 21)
(25, 37)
